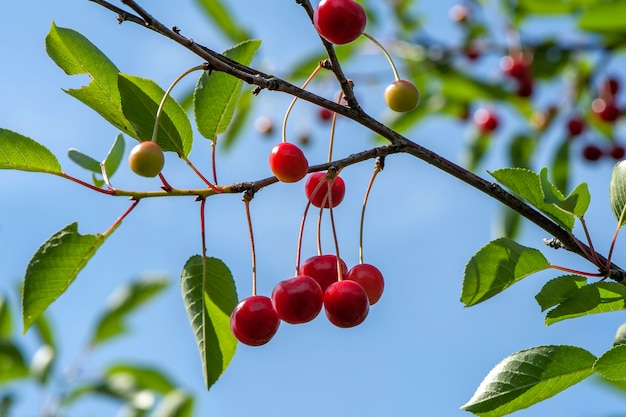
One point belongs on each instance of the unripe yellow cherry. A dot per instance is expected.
(402, 96)
(146, 159)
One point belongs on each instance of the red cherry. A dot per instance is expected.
(346, 304)
(486, 120)
(592, 153)
(525, 87)
(254, 321)
(323, 269)
(325, 114)
(575, 126)
(605, 109)
(339, 21)
(321, 195)
(516, 67)
(617, 151)
(611, 86)
(370, 278)
(288, 162)
(297, 300)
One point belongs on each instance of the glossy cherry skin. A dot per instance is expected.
(402, 96)
(254, 321)
(346, 304)
(486, 120)
(339, 21)
(288, 163)
(297, 300)
(323, 269)
(370, 278)
(146, 159)
(320, 197)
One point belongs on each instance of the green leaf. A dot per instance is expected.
(217, 93)
(175, 404)
(84, 161)
(75, 54)
(604, 17)
(497, 266)
(24, 154)
(44, 331)
(576, 203)
(598, 297)
(521, 151)
(617, 192)
(54, 267)
(527, 185)
(210, 296)
(121, 304)
(241, 115)
(560, 165)
(140, 101)
(528, 377)
(558, 290)
(222, 17)
(142, 377)
(12, 364)
(114, 157)
(612, 363)
(6, 319)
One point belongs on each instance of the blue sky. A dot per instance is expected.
(418, 353)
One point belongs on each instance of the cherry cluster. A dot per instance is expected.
(322, 281)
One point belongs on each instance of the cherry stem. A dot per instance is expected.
(319, 228)
(384, 51)
(118, 221)
(377, 168)
(330, 182)
(213, 161)
(331, 141)
(166, 95)
(610, 255)
(247, 197)
(293, 102)
(577, 272)
(300, 234)
(594, 255)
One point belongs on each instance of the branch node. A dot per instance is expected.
(554, 243)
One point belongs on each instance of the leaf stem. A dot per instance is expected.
(575, 271)
(118, 221)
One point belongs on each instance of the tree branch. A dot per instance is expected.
(399, 143)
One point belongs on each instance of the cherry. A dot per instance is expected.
(146, 159)
(339, 21)
(288, 162)
(611, 86)
(515, 66)
(525, 87)
(325, 114)
(320, 197)
(254, 321)
(575, 126)
(617, 151)
(346, 303)
(402, 96)
(297, 300)
(486, 120)
(605, 109)
(323, 269)
(370, 278)
(592, 152)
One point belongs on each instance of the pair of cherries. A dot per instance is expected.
(298, 300)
